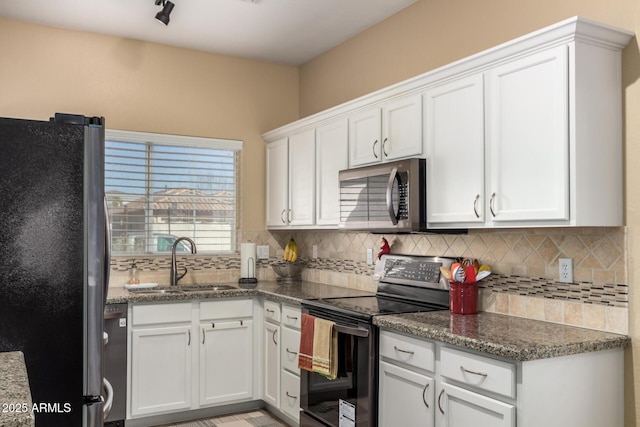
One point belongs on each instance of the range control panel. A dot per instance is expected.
(422, 271)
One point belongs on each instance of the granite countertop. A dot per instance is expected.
(15, 395)
(501, 335)
(292, 293)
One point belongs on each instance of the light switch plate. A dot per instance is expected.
(262, 251)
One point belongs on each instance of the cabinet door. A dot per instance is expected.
(454, 130)
(226, 361)
(277, 183)
(332, 155)
(290, 395)
(365, 132)
(290, 348)
(271, 337)
(160, 370)
(406, 397)
(402, 128)
(458, 407)
(302, 178)
(528, 138)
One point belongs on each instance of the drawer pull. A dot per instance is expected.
(270, 311)
(403, 351)
(291, 352)
(482, 374)
(424, 397)
(290, 395)
(291, 317)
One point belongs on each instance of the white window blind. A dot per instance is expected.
(161, 187)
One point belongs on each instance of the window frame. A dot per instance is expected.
(185, 141)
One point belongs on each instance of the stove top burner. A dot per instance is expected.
(407, 284)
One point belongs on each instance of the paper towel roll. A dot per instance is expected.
(247, 260)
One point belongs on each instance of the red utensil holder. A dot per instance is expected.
(463, 298)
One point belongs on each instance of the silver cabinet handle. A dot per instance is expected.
(288, 215)
(374, 148)
(291, 317)
(384, 147)
(482, 374)
(273, 337)
(291, 352)
(203, 335)
(282, 216)
(290, 395)
(189, 341)
(403, 351)
(439, 403)
(493, 196)
(424, 397)
(475, 206)
(268, 310)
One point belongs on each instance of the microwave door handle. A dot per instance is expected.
(392, 214)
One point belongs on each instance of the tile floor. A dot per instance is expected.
(259, 418)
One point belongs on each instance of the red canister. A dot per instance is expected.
(463, 298)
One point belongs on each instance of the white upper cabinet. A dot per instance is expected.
(331, 157)
(525, 134)
(302, 168)
(277, 183)
(389, 132)
(528, 138)
(454, 134)
(290, 180)
(402, 127)
(365, 137)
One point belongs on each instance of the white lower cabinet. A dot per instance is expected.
(408, 397)
(189, 355)
(463, 408)
(226, 352)
(271, 357)
(161, 358)
(281, 341)
(428, 383)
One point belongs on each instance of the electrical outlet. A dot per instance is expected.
(369, 256)
(314, 250)
(262, 251)
(566, 270)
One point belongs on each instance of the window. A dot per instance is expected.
(161, 187)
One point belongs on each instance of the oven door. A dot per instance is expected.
(353, 395)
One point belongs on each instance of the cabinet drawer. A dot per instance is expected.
(161, 313)
(291, 316)
(290, 348)
(226, 309)
(290, 395)
(408, 350)
(272, 311)
(479, 371)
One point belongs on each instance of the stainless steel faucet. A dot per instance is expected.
(174, 269)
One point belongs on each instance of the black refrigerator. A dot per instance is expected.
(54, 262)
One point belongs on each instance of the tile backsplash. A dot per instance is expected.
(524, 263)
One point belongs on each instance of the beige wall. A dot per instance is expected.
(432, 33)
(149, 87)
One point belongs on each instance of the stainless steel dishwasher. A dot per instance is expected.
(115, 361)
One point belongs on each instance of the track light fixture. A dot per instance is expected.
(163, 15)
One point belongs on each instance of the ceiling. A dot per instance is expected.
(284, 31)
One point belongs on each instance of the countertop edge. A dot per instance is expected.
(511, 352)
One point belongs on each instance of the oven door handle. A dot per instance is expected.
(358, 332)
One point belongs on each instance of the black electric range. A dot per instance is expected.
(406, 284)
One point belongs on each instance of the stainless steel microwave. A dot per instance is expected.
(386, 198)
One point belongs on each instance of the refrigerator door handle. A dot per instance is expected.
(108, 402)
(107, 249)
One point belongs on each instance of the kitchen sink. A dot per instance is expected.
(210, 287)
